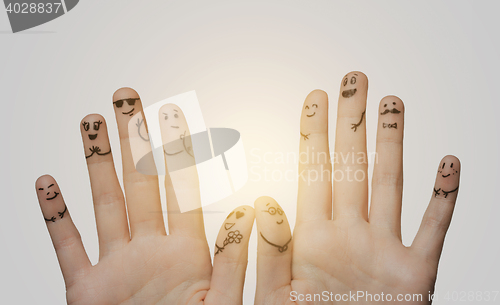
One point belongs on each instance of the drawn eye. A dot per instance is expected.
(176, 115)
(272, 210)
(97, 125)
(86, 126)
(280, 211)
(443, 165)
(119, 104)
(353, 80)
(314, 105)
(166, 117)
(394, 103)
(345, 81)
(307, 107)
(451, 166)
(131, 101)
(40, 189)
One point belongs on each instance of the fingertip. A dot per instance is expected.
(90, 119)
(124, 93)
(317, 94)
(391, 101)
(263, 201)
(43, 180)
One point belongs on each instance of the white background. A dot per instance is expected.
(251, 63)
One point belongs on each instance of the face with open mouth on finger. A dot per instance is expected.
(91, 128)
(349, 87)
(446, 170)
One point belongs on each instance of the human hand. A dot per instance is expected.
(338, 245)
(138, 262)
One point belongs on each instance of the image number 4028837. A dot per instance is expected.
(24, 14)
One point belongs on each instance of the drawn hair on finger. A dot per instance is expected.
(355, 126)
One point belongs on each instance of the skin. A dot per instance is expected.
(138, 262)
(338, 244)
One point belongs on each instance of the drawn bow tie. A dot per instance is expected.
(395, 125)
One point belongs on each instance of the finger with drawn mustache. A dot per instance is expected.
(393, 110)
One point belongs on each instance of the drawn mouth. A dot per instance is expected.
(393, 110)
(279, 222)
(92, 136)
(174, 126)
(130, 112)
(310, 115)
(172, 154)
(349, 93)
(55, 195)
(445, 176)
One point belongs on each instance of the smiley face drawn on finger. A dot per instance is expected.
(175, 132)
(447, 171)
(95, 125)
(90, 128)
(348, 85)
(389, 110)
(51, 191)
(127, 110)
(275, 211)
(312, 109)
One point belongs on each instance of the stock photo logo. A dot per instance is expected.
(26, 15)
(177, 139)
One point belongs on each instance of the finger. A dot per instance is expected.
(109, 205)
(430, 237)
(387, 183)
(315, 187)
(181, 180)
(350, 176)
(141, 190)
(65, 237)
(231, 256)
(274, 248)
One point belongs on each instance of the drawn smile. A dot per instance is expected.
(445, 176)
(349, 93)
(310, 115)
(55, 195)
(279, 222)
(172, 154)
(130, 112)
(92, 136)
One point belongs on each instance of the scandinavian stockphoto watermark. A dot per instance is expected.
(314, 165)
(25, 15)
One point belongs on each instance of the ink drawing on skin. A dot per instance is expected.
(309, 114)
(51, 193)
(233, 236)
(355, 126)
(92, 135)
(348, 92)
(127, 110)
(142, 131)
(177, 134)
(445, 172)
(387, 110)
(279, 214)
